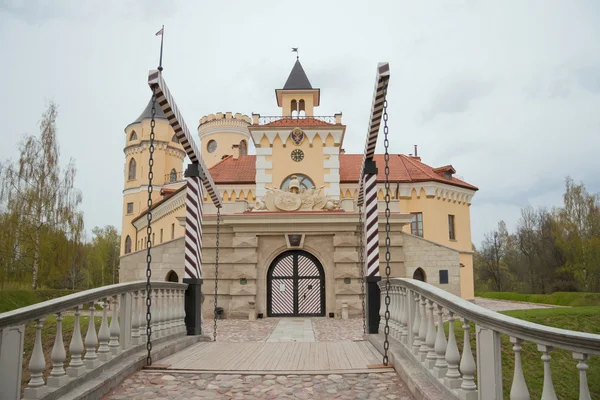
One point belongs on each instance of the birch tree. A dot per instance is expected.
(40, 195)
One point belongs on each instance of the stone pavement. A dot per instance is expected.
(163, 385)
(293, 330)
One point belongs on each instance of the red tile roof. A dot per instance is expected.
(228, 170)
(293, 122)
(402, 169)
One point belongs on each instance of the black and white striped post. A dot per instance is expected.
(367, 197)
(196, 173)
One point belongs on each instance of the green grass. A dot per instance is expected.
(564, 372)
(16, 298)
(571, 299)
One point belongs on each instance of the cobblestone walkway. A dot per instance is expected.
(155, 385)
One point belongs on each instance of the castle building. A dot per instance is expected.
(289, 231)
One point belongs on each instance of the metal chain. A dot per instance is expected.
(217, 273)
(149, 232)
(386, 157)
(361, 265)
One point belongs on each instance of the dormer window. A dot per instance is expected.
(446, 171)
(448, 175)
(133, 136)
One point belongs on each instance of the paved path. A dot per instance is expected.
(293, 330)
(160, 385)
(506, 305)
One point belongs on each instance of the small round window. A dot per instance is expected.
(211, 146)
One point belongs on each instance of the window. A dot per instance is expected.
(243, 148)
(211, 146)
(127, 245)
(451, 232)
(416, 226)
(133, 136)
(161, 235)
(132, 167)
(172, 231)
(420, 275)
(443, 276)
(174, 139)
(448, 175)
(129, 208)
(173, 176)
(153, 241)
(305, 182)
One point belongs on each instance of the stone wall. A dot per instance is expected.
(432, 257)
(247, 249)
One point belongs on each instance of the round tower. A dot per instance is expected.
(167, 170)
(220, 132)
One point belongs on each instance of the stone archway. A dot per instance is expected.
(295, 285)
(172, 276)
(420, 275)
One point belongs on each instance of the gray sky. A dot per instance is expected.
(508, 92)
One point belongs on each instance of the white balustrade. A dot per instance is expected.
(418, 313)
(126, 332)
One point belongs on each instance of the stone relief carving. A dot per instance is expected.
(295, 199)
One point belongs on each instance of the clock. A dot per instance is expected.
(297, 155)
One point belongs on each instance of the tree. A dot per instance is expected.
(40, 199)
(103, 257)
(491, 257)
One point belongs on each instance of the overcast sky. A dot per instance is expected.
(508, 92)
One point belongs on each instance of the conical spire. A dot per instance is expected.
(297, 79)
(147, 113)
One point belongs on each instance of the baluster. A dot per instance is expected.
(467, 366)
(431, 336)
(399, 313)
(405, 317)
(76, 367)
(91, 360)
(392, 310)
(135, 320)
(163, 313)
(416, 324)
(142, 328)
(548, 391)
(518, 390)
(584, 390)
(156, 314)
(381, 309)
(182, 310)
(171, 312)
(440, 346)
(36, 389)
(115, 330)
(104, 335)
(452, 379)
(58, 376)
(423, 331)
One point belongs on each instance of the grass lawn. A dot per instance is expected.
(16, 298)
(564, 372)
(572, 299)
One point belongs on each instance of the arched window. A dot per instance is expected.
(301, 106)
(173, 176)
(132, 167)
(127, 245)
(243, 148)
(174, 139)
(305, 182)
(420, 275)
(133, 136)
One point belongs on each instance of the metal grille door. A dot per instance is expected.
(296, 286)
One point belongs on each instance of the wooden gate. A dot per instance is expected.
(295, 285)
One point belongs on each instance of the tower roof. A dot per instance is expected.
(297, 79)
(147, 113)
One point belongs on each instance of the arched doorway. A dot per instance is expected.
(172, 276)
(295, 285)
(420, 275)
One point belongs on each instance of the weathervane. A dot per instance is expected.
(161, 33)
(295, 50)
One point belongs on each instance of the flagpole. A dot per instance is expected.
(162, 37)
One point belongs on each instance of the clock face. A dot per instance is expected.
(297, 155)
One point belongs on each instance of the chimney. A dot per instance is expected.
(236, 151)
(416, 155)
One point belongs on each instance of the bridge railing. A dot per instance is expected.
(122, 308)
(416, 308)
